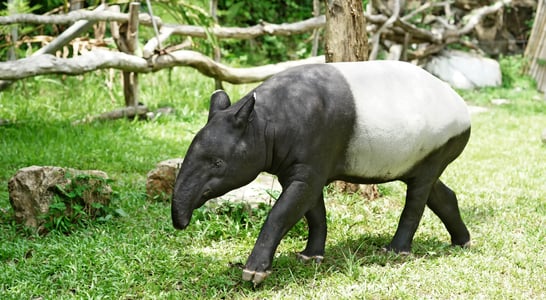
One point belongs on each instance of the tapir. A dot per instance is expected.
(361, 122)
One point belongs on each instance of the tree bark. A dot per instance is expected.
(536, 49)
(345, 34)
(217, 50)
(346, 39)
(130, 39)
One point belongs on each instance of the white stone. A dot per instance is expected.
(465, 70)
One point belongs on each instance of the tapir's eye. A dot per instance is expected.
(217, 163)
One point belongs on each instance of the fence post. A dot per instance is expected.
(217, 50)
(130, 38)
(535, 51)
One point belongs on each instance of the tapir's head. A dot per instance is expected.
(225, 154)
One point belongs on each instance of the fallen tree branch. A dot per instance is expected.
(250, 32)
(74, 16)
(472, 19)
(64, 38)
(376, 36)
(105, 59)
(190, 30)
(128, 112)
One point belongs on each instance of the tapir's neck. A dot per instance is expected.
(269, 141)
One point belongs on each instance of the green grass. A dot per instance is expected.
(500, 181)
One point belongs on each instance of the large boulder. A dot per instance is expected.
(465, 70)
(32, 190)
(160, 184)
(160, 181)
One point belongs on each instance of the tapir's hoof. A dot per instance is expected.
(465, 245)
(315, 258)
(255, 277)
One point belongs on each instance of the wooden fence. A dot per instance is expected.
(393, 28)
(536, 49)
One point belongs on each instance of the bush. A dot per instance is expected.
(84, 199)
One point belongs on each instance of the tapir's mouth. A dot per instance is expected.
(182, 217)
(182, 222)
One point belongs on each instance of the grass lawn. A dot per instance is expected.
(500, 180)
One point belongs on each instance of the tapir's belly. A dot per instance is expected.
(402, 114)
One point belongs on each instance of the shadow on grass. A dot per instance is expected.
(343, 257)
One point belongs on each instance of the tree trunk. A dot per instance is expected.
(345, 34)
(536, 49)
(346, 39)
(217, 51)
(130, 79)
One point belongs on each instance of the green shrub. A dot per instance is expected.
(74, 205)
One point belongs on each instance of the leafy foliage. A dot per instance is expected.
(266, 48)
(71, 206)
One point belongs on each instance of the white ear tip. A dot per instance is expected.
(254, 95)
(217, 91)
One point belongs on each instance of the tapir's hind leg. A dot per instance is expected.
(416, 198)
(316, 220)
(443, 202)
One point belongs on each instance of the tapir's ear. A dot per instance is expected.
(244, 115)
(219, 100)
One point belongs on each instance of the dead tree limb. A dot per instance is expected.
(376, 36)
(75, 16)
(64, 38)
(477, 15)
(105, 59)
(129, 112)
(252, 31)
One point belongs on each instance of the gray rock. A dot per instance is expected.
(465, 70)
(32, 189)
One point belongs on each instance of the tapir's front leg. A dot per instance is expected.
(295, 200)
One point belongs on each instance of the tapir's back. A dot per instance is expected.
(403, 113)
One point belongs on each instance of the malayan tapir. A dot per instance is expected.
(362, 122)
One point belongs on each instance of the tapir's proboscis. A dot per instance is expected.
(361, 122)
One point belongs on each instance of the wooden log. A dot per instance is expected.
(105, 59)
(75, 16)
(130, 112)
(536, 48)
(149, 49)
(250, 32)
(64, 38)
(217, 51)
